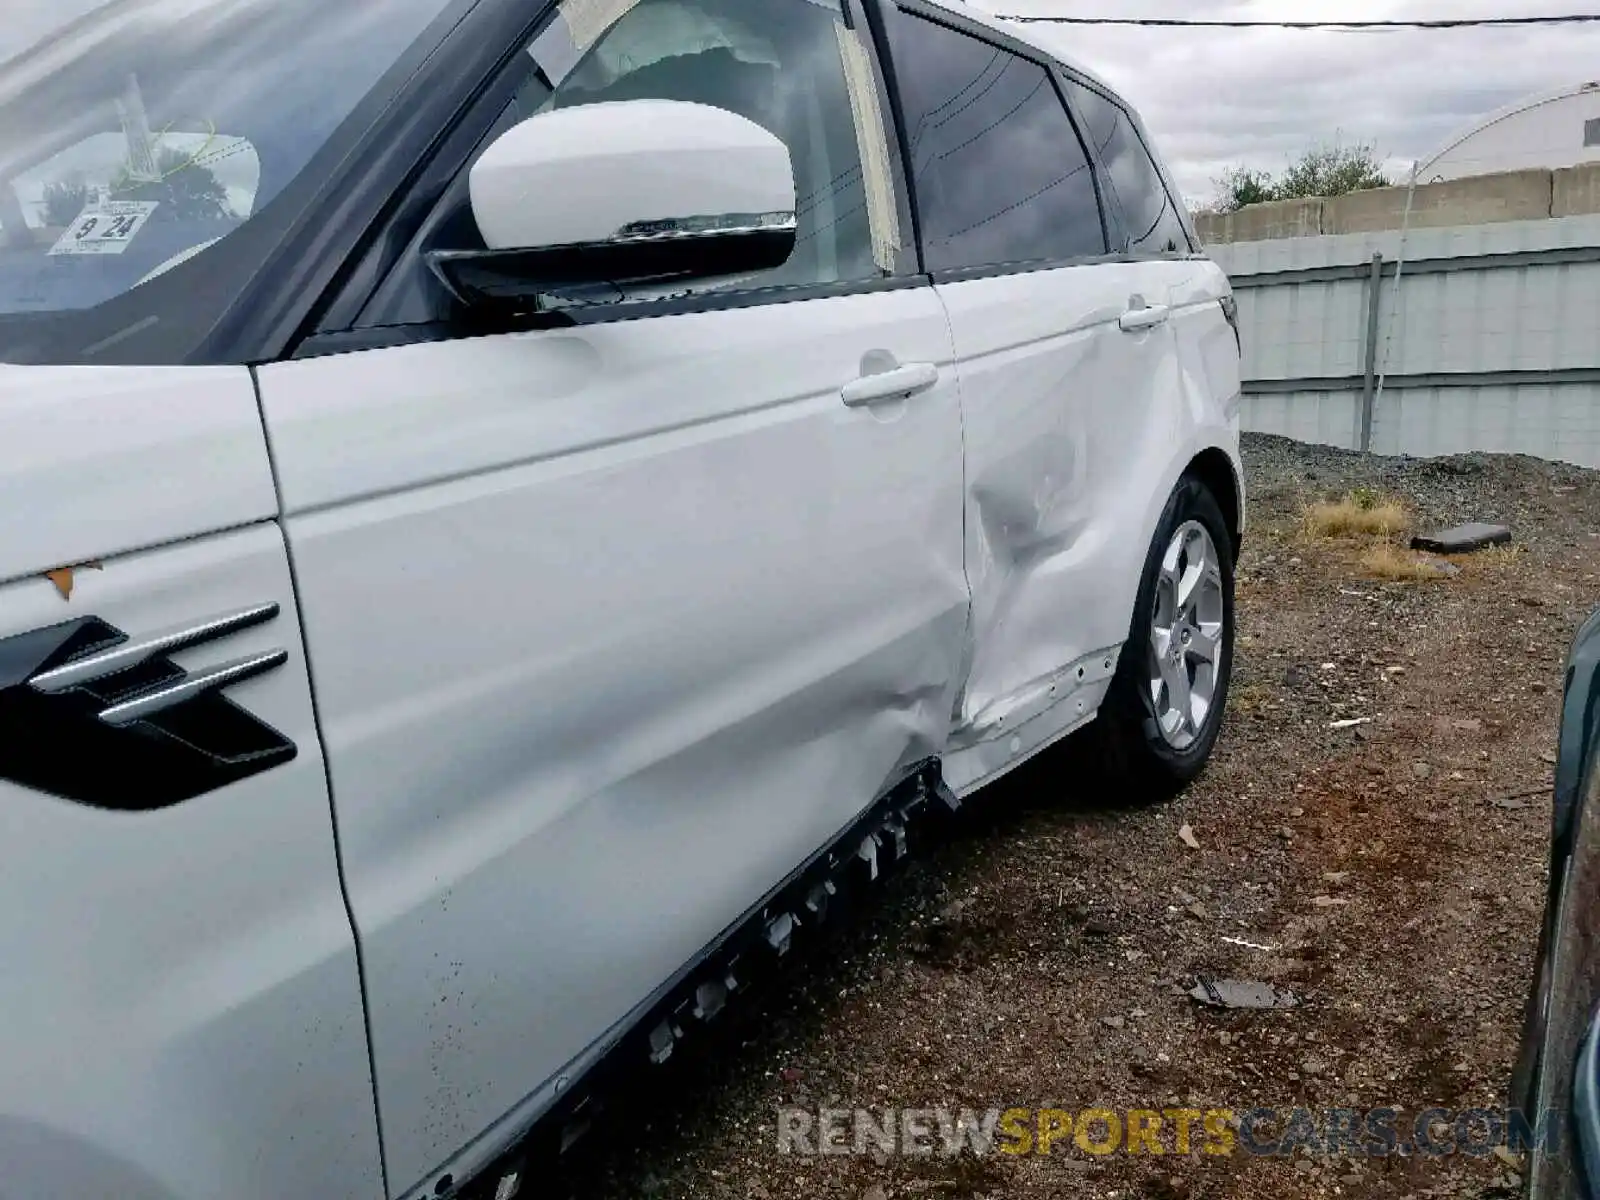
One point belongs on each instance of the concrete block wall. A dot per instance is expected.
(1575, 192)
(1482, 200)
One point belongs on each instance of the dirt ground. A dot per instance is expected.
(1394, 871)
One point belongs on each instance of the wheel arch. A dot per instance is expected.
(1216, 470)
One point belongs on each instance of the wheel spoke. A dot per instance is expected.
(1206, 643)
(1175, 675)
(1188, 617)
(1161, 641)
(1199, 570)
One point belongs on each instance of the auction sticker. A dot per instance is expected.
(106, 227)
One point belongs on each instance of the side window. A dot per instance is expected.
(1153, 224)
(791, 66)
(1000, 172)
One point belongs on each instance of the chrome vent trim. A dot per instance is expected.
(192, 687)
(134, 653)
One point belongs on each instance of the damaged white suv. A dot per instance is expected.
(507, 509)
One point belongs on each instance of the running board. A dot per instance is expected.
(792, 917)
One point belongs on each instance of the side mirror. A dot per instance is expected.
(627, 192)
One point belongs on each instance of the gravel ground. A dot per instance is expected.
(1393, 870)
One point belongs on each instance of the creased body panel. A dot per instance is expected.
(1076, 432)
(96, 461)
(182, 1008)
(641, 616)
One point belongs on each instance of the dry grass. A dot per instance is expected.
(1392, 564)
(1248, 699)
(1361, 514)
(1491, 560)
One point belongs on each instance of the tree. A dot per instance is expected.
(1242, 186)
(1323, 170)
(187, 190)
(1332, 171)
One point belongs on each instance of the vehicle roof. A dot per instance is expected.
(1039, 34)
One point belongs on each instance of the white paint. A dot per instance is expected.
(97, 461)
(577, 175)
(182, 1010)
(1076, 432)
(612, 628)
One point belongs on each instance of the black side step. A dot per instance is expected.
(793, 916)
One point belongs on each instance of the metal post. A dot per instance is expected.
(1369, 386)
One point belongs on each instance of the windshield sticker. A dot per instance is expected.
(106, 227)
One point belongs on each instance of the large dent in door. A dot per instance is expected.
(1076, 433)
(1034, 537)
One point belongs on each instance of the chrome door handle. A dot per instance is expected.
(896, 384)
(1137, 319)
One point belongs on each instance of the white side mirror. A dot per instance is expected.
(631, 191)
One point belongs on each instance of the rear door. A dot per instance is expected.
(1151, 231)
(1014, 237)
(614, 622)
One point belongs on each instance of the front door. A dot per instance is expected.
(613, 625)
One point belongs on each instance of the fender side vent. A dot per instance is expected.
(90, 715)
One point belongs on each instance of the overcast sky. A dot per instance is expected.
(1213, 98)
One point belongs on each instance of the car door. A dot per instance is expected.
(616, 620)
(1054, 371)
(1154, 236)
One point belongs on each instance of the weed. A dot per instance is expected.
(1390, 563)
(1363, 513)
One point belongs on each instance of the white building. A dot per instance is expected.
(1557, 129)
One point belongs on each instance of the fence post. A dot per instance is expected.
(1374, 295)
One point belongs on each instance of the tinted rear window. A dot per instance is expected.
(1153, 223)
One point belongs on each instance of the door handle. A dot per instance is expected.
(894, 384)
(1137, 319)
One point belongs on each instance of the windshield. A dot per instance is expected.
(137, 137)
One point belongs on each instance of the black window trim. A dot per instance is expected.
(999, 40)
(367, 269)
(376, 337)
(1110, 206)
(486, 95)
(281, 303)
(1067, 74)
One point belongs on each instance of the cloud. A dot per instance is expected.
(1219, 98)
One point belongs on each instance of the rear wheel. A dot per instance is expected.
(1162, 714)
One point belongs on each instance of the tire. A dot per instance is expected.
(1135, 747)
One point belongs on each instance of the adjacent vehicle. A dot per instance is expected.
(506, 508)
(1556, 1087)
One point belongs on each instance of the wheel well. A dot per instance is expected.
(1214, 469)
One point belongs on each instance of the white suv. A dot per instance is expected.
(508, 508)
